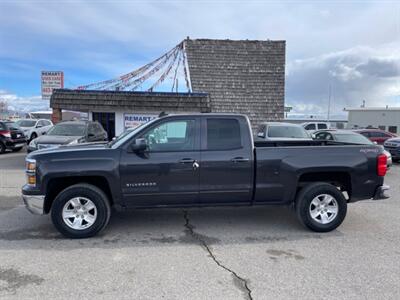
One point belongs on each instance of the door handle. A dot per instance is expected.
(239, 159)
(187, 161)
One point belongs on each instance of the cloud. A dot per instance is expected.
(352, 46)
(23, 104)
(353, 75)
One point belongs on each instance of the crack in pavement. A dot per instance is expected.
(241, 282)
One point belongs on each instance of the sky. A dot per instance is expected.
(349, 47)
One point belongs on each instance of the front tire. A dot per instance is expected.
(2, 148)
(33, 136)
(81, 211)
(321, 207)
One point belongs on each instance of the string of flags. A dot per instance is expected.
(171, 65)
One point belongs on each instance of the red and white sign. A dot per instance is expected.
(51, 80)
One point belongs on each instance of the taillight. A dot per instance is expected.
(6, 133)
(382, 165)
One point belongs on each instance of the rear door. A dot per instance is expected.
(168, 172)
(226, 165)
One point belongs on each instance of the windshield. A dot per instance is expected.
(282, 131)
(68, 130)
(12, 125)
(26, 123)
(127, 134)
(353, 138)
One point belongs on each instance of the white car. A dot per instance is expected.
(315, 126)
(33, 128)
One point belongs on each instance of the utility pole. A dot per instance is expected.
(329, 103)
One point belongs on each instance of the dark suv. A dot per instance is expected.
(69, 133)
(11, 137)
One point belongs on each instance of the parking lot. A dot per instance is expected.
(213, 253)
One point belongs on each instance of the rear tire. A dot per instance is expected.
(321, 207)
(70, 217)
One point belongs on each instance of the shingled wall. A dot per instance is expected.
(240, 76)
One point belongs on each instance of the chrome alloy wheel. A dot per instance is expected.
(324, 209)
(79, 213)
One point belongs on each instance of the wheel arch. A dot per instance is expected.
(57, 185)
(340, 179)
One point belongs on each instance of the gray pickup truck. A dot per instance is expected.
(198, 160)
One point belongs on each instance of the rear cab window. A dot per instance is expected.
(223, 134)
(310, 127)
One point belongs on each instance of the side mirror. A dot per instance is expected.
(261, 134)
(91, 135)
(140, 145)
(313, 136)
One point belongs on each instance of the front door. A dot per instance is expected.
(167, 173)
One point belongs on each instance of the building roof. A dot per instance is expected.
(394, 108)
(89, 100)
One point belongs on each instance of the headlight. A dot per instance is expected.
(33, 144)
(74, 142)
(31, 171)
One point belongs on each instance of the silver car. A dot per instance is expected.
(279, 131)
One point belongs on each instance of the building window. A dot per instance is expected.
(393, 129)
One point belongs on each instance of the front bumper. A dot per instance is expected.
(382, 192)
(34, 203)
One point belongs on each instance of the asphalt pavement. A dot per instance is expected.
(209, 253)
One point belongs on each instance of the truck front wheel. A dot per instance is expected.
(321, 207)
(80, 211)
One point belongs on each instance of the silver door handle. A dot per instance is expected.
(239, 159)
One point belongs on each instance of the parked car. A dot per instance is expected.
(314, 126)
(393, 146)
(200, 160)
(275, 131)
(348, 136)
(376, 135)
(69, 133)
(33, 128)
(11, 137)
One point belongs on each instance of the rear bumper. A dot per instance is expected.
(34, 203)
(13, 144)
(382, 192)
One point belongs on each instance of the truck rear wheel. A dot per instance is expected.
(81, 211)
(321, 207)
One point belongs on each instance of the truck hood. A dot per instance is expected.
(76, 148)
(56, 139)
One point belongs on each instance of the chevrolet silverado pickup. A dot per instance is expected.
(198, 160)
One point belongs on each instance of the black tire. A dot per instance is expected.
(99, 199)
(17, 149)
(33, 136)
(2, 148)
(303, 206)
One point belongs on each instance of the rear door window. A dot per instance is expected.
(223, 134)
